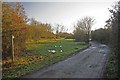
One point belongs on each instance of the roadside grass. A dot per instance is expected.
(112, 66)
(37, 56)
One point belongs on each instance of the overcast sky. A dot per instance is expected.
(68, 12)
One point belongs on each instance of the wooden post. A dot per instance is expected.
(12, 46)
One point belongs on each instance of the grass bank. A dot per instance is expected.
(38, 56)
(112, 66)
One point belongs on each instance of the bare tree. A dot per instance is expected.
(85, 25)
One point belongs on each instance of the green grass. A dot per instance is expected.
(41, 49)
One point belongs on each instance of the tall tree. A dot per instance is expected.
(13, 22)
(83, 27)
(113, 24)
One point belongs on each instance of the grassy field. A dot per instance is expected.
(38, 56)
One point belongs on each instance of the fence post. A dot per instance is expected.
(12, 46)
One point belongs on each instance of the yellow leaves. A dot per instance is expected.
(20, 61)
(13, 20)
(16, 17)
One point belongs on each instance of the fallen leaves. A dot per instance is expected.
(21, 62)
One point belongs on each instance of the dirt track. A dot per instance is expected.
(86, 64)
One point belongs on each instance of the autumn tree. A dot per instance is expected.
(13, 23)
(39, 30)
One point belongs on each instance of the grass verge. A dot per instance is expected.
(112, 66)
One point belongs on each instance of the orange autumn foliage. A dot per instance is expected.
(13, 21)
